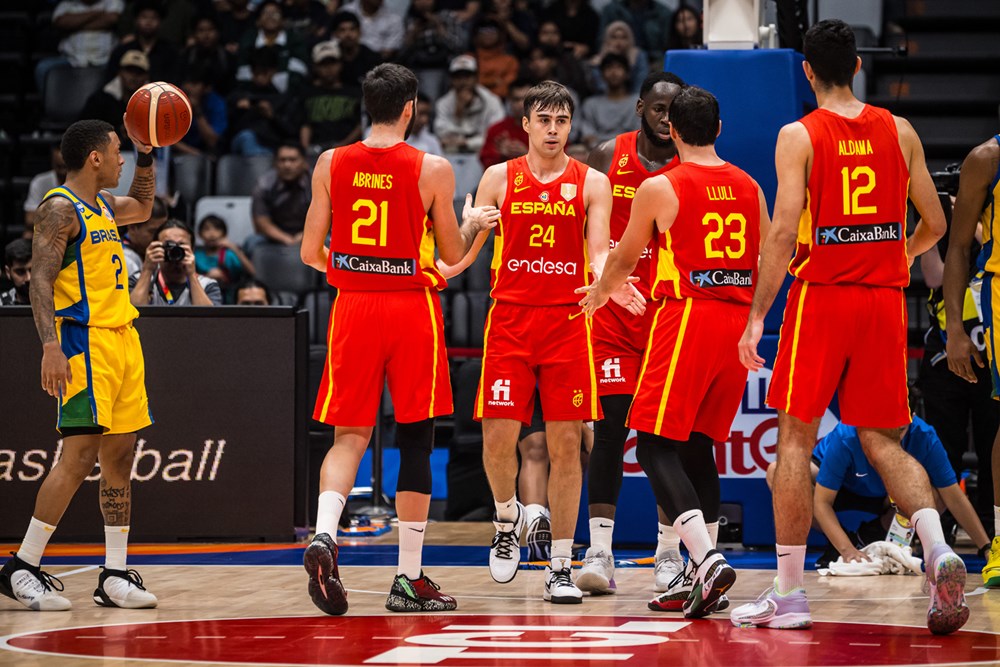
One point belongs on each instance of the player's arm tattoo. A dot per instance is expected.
(116, 503)
(55, 224)
(143, 186)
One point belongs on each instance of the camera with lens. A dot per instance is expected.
(173, 252)
(946, 181)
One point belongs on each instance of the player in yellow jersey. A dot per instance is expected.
(978, 190)
(91, 359)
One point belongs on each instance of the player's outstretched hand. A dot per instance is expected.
(748, 345)
(961, 349)
(483, 217)
(56, 373)
(141, 147)
(629, 298)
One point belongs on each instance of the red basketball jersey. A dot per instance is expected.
(853, 227)
(626, 174)
(540, 256)
(381, 238)
(711, 250)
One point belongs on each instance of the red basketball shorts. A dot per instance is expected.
(379, 336)
(619, 343)
(692, 380)
(845, 338)
(547, 346)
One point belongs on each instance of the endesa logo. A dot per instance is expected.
(389, 266)
(883, 231)
(647, 252)
(722, 278)
(753, 438)
(542, 266)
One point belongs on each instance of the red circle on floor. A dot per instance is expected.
(505, 640)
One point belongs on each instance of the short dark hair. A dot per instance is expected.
(148, 5)
(291, 145)
(615, 59)
(81, 138)
(831, 51)
(276, 3)
(18, 250)
(251, 282)
(548, 96)
(213, 221)
(344, 16)
(386, 90)
(174, 223)
(694, 114)
(660, 77)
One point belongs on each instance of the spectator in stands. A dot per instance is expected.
(168, 276)
(40, 184)
(507, 139)
(137, 237)
(619, 38)
(577, 21)
(235, 20)
(603, 117)
(146, 38)
(207, 53)
(357, 59)
(89, 37)
(109, 103)
(497, 68)
(569, 68)
(252, 292)
(685, 29)
(381, 28)
(208, 108)
(519, 24)
(219, 258)
(649, 22)
(17, 269)
(260, 117)
(281, 199)
(432, 37)
(465, 112)
(176, 19)
(421, 137)
(331, 110)
(288, 46)
(308, 19)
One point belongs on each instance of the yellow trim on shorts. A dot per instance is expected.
(673, 365)
(645, 355)
(430, 309)
(795, 344)
(589, 323)
(481, 397)
(329, 365)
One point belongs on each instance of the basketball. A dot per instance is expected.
(158, 114)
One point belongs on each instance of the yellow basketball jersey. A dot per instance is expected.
(989, 257)
(92, 285)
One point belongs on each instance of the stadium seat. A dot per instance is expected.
(280, 267)
(479, 305)
(65, 92)
(318, 304)
(458, 333)
(234, 210)
(237, 175)
(192, 179)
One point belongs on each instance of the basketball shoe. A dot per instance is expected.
(712, 578)
(418, 595)
(668, 565)
(325, 588)
(539, 538)
(597, 576)
(33, 588)
(772, 610)
(991, 572)
(559, 586)
(946, 574)
(505, 552)
(677, 590)
(123, 588)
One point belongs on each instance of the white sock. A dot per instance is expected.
(35, 541)
(116, 547)
(601, 531)
(713, 532)
(691, 527)
(507, 510)
(667, 539)
(411, 544)
(331, 506)
(927, 523)
(996, 520)
(532, 511)
(562, 549)
(791, 567)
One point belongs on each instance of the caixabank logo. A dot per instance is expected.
(707, 278)
(849, 234)
(387, 266)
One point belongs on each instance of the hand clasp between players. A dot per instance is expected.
(626, 296)
(482, 217)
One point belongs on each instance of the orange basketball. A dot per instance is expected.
(158, 114)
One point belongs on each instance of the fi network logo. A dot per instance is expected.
(501, 393)
(612, 368)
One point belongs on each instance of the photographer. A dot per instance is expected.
(168, 276)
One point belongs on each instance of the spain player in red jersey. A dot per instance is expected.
(844, 174)
(707, 218)
(620, 337)
(384, 204)
(554, 225)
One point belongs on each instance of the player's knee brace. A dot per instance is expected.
(416, 442)
(604, 473)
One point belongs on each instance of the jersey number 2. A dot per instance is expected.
(379, 211)
(117, 261)
(852, 195)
